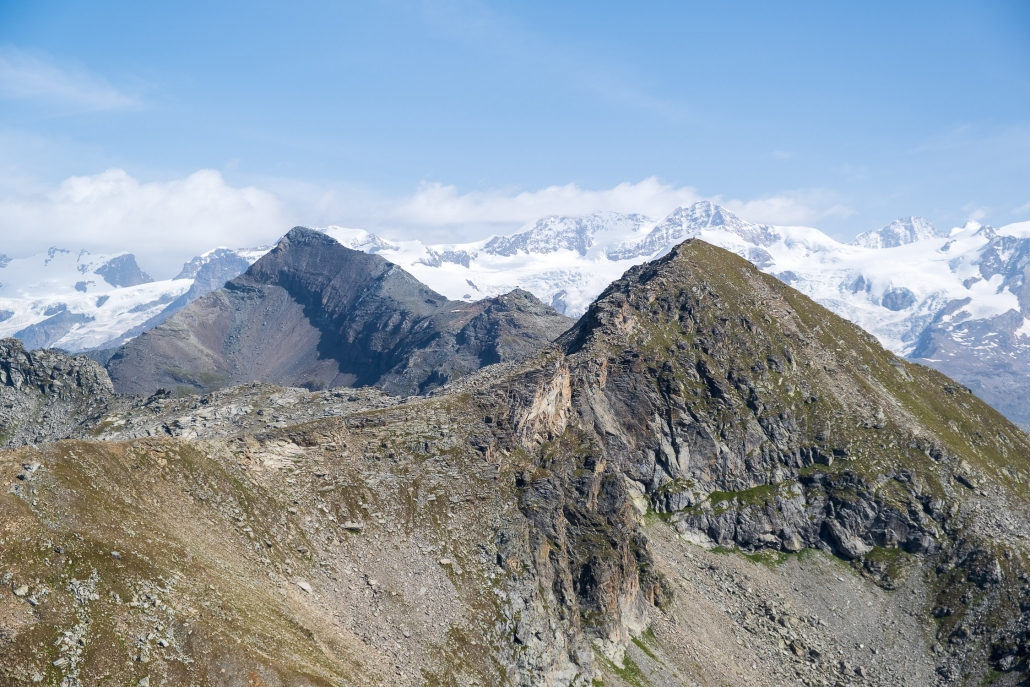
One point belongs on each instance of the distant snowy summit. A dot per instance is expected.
(900, 232)
(954, 301)
(78, 301)
(960, 301)
(565, 261)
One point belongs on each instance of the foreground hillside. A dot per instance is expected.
(709, 480)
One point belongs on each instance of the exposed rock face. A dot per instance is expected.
(314, 313)
(749, 416)
(47, 395)
(123, 271)
(550, 521)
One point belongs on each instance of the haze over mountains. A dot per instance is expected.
(954, 300)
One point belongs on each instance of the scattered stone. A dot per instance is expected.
(304, 585)
(21, 590)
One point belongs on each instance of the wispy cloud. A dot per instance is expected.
(30, 77)
(804, 207)
(438, 205)
(163, 222)
(1022, 208)
(474, 23)
(167, 222)
(435, 204)
(975, 212)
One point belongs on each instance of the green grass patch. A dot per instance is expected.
(629, 673)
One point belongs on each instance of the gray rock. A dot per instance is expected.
(314, 313)
(46, 395)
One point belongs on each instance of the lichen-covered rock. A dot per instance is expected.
(46, 395)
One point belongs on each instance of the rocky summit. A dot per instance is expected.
(708, 480)
(314, 313)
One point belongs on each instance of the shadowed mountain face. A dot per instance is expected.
(313, 313)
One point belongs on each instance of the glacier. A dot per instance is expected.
(957, 300)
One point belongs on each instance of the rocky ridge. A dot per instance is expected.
(709, 480)
(312, 312)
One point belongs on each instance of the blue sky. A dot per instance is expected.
(164, 128)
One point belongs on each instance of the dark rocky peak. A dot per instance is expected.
(311, 264)
(122, 270)
(314, 313)
(220, 261)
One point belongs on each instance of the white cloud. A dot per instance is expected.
(1022, 208)
(793, 208)
(437, 205)
(26, 77)
(434, 204)
(163, 223)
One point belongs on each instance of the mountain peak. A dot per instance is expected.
(900, 232)
(689, 221)
(312, 312)
(562, 232)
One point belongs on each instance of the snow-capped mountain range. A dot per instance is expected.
(957, 300)
(954, 300)
(80, 301)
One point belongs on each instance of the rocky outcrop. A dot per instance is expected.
(747, 416)
(313, 313)
(122, 270)
(46, 395)
(551, 521)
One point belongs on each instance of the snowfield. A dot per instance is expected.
(959, 301)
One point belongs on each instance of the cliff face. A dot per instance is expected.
(47, 394)
(710, 479)
(744, 415)
(314, 313)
